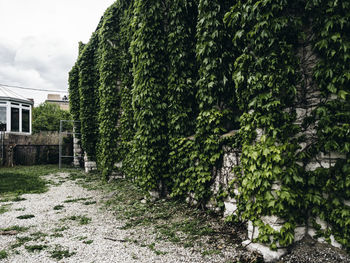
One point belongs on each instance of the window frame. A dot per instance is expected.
(8, 103)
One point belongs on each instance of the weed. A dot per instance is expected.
(18, 199)
(88, 242)
(3, 254)
(61, 229)
(76, 200)
(83, 220)
(157, 252)
(21, 241)
(211, 252)
(76, 175)
(20, 209)
(89, 202)
(58, 207)
(3, 209)
(15, 228)
(56, 235)
(60, 253)
(33, 248)
(25, 216)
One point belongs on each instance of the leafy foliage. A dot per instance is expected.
(47, 116)
(160, 82)
(109, 90)
(149, 100)
(88, 90)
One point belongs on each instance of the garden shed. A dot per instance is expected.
(15, 112)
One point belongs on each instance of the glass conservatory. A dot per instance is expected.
(15, 112)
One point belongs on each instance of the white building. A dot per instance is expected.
(15, 112)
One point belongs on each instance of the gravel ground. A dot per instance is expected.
(100, 240)
(71, 223)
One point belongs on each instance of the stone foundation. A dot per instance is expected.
(89, 165)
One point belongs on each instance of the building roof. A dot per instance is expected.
(8, 94)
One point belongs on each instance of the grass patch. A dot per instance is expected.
(89, 202)
(76, 200)
(4, 209)
(88, 242)
(60, 253)
(33, 248)
(57, 235)
(25, 216)
(20, 241)
(24, 179)
(38, 235)
(170, 220)
(18, 199)
(3, 254)
(83, 220)
(157, 252)
(211, 252)
(58, 207)
(19, 229)
(27, 179)
(61, 229)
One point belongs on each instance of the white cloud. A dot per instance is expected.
(39, 40)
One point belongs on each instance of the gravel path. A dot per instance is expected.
(100, 240)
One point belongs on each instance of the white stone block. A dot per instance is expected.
(347, 202)
(334, 242)
(322, 223)
(312, 166)
(253, 231)
(276, 186)
(272, 220)
(230, 208)
(268, 254)
(118, 165)
(154, 194)
(299, 233)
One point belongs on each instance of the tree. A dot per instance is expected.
(47, 116)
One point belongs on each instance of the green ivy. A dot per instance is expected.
(88, 90)
(331, 42)
(266, 77)
(149, 94)
(109, 90)
(191, 70)
(127, 130)
(181, 89)
(215, 92)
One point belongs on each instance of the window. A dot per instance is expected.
(15, 119)
(25, 120)
(2, 118)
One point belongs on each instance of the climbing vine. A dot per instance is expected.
(266, 76)
(149, 94)
(331, 182)
(215, 94)
(181, 88)
(162, 82)
(109, 90)
(88, 90)
(74, 98)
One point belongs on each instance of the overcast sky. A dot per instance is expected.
(39, 41)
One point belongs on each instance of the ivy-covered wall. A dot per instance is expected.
(167, 87)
